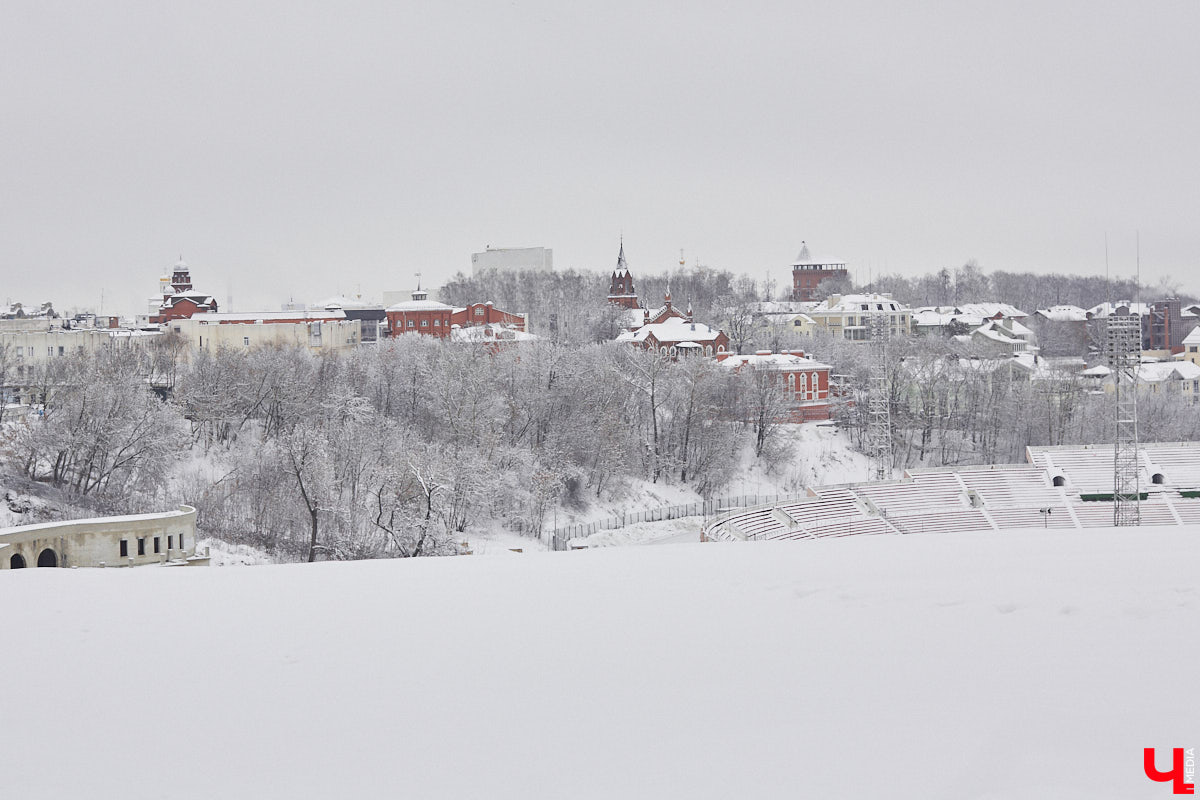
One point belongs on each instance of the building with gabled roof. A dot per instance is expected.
(1155, 377)
(179, 300)
(805, 380)
(1191, 348)
(1004, 336)
(676, 336)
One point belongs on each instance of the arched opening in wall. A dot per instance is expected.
(47, 558)
(17, 561)
(1157, 478)
(1059, 480)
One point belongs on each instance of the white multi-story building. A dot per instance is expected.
(319, 331)
(513, 259)
(849, 315)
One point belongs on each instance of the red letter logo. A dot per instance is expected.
(1175, 775)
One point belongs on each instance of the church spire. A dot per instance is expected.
(620, 290)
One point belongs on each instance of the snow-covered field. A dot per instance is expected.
(1032, 665)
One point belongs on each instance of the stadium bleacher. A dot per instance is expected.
(977, 498)
(922, 490)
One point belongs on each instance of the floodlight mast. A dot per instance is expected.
(879, 417)
(1123, 344)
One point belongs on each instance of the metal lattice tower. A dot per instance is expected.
(879, 415)
(1123, 350)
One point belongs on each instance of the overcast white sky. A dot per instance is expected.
(300, 149)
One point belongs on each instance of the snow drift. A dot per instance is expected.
(1030, 665)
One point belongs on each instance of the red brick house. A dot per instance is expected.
(805, 380)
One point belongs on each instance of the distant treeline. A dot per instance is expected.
(570, 306)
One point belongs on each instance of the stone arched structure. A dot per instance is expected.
(125, 541)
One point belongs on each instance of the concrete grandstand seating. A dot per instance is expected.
(834, 503)
(922, 490)
(1100, 515)
(1188, 509)
(756, 524)
(942, 521)
(1180, 463)
(1010, 518)
(1009, 496)
(863, 526)
(1088, 471)
(1012, 486)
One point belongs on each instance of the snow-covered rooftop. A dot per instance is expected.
(1107, 309)
(774, 361)
(342, 301)
(973, 314)
(857, 303)
(420, 305)
(217, 317)
(805, 259)
(490, 332)
(1154, 371)
(1063, 313)
(674, 329)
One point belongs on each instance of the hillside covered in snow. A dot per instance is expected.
(1015, 665)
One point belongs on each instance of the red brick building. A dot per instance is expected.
(666, 328)
(806, 381)
(179, 299)
(420, 315)
(679, 336)
(486, 314)
(620, 288)
(431, 318)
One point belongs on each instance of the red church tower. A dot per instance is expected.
(179, 299)
(620, 288)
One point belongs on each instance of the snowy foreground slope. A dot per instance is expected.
(957, 666)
